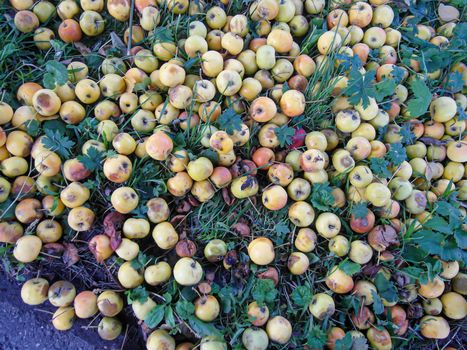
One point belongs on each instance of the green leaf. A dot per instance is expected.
(162, 35)
(418, 105)
(140, 262)
(461, 115)
(455, 82)
(285, 135)
(433, 58)
(437, 223)
(359, 210)
(458, 3)
(191, 62)
(360, 88)
(90, 185)
(460, 236)
(282, 228)
(155, 316)
(169, 317)
(264, 291)
(7, 209)
(227, 297)
(408, 137)
(58, 143)
(184, 309)
(385, 88)
(359, 343)
(378, 306)
(229, 121)
(33, 127)
(143, 85)
(56, 75)
(352, 302)
(139, 294)
(316, 338)
(209, 153)
(203, 329)
(451, 252)
(396, 154)
(55, 204)
(301, 296)
(92, 160)
(344, 343)
(349, 268)
(386, 288)
(379, 167)
(397, 73)
(86, 129)
(321, 196)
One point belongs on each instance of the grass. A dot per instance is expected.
(20, 62)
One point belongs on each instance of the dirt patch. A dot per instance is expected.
(25, 327)
(29, 327)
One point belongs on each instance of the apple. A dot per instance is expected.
(454, 305)
(255, 339)
(274, 197)
(258, 315)
(360, 14)
(339, 282)
(329, 41)
(301, 214)
(432, 289)
(207, 308)
(322, 306)
(261, 251)
(279, 330)
(434, 327)
(91, 23)
(379, 338)
(160, 339)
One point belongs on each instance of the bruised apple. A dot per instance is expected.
(321, 306)
(109, 303)
(339, 282)
(35, 291)
(434, 327)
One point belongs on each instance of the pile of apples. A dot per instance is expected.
(261, 75)
(86, 304)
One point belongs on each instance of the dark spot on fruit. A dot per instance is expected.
(43, 100)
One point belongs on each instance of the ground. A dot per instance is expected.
(27, 327)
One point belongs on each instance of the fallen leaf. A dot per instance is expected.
(55, 249)
(227, 197)
(271, 273)
(241, 228)
(113, 223)
(70, 256)
(83, 49)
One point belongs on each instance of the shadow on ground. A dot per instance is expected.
(26, 327)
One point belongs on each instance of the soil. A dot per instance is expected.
(29, 327)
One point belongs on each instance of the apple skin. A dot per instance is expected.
(339, 282)
(26, 21)
(434, 327)
(322, 305)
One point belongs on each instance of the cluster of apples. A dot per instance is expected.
(262, 76)
(84, 305)
(80, 20)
